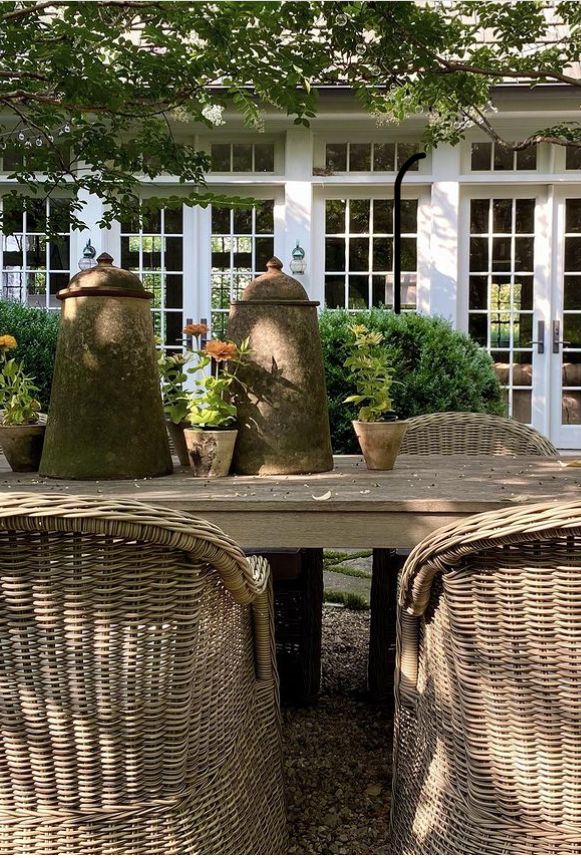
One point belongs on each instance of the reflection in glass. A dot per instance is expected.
(336, 157)
(334, 292)
(501, 254)
(525, 216)
(478, 328)
(573, 254)
(573, 215)
(478, 254)
(526, 159)
(572, 329)
(358, 292)
(572, 292)
(383, 217)
(335, 216)
(521, 405)
(242, 157)
(571, 369)
(358, 254)
(479, 210)
(360, 157)
(571, 407)
(478, 292)
(502, 216)
(384, 157)
(359, 216)
(481, 156)
(524, 254)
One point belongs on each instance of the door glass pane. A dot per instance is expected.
(501, 293)
(571, 323)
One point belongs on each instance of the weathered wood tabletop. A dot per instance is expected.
(350, 507)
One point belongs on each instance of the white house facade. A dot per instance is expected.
(491, 240)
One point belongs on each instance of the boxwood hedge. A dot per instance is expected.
(437, 368)
(36, 332)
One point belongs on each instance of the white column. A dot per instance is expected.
(445, 244)
(91, 213)
(299, 203)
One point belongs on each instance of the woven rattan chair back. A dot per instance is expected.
(138, 694)
(455, 433)
(488, 687)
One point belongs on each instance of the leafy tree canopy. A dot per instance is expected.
(96, 94)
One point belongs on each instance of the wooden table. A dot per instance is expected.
(349, 507)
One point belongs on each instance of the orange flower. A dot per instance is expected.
(7, 342)
(195, 330)
(221, 351)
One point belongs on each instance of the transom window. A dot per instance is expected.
(571, 333)
(242, 244)
(152, 246)
(492, 156)
(34, 269)
(369, 157)
(359, 253)
(242, 157)
(573, 158)
(501, 292)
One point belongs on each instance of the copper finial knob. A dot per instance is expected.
(274, 263)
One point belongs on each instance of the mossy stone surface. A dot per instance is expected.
(283, 419)
(106, 417)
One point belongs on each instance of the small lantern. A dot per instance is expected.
(283, 417)
(87, 260)
(298, 264)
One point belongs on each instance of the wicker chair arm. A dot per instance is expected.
(263, 615)
(506, 526)
(444, 548)
(119, 517)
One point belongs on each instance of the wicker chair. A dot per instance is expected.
(488, 687)
(138, 693)
(457, 433)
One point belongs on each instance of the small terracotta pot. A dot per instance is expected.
(177, 440)
(22, 445)
(380, 442)
(210, 451)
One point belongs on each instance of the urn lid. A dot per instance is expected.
(276, 287)
(105, 279)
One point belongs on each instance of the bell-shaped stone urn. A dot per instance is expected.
(283, 418)
(105, 418)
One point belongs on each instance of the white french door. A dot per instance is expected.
(505, 290)
(564, 329)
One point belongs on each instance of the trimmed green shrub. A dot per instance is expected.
(36, 334)
(437, 368)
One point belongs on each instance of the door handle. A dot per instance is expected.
(540, 341)
(557, 341)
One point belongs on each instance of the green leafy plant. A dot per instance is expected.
(210, 404)
(438, 368)
(173, 376)
(18, 392)
(370, 373)
(36, 332)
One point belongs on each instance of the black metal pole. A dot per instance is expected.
(397, 230)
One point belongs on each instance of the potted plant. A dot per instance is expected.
(21, 433)
(378, 428)
(210, 433)
(173, 375)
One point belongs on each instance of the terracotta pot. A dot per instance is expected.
(210, 451)
(177, 440)
(22, 445)
(380, 442)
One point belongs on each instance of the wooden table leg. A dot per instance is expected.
(381, 665)
(298, 598)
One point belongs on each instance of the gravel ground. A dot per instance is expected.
(338, 753)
